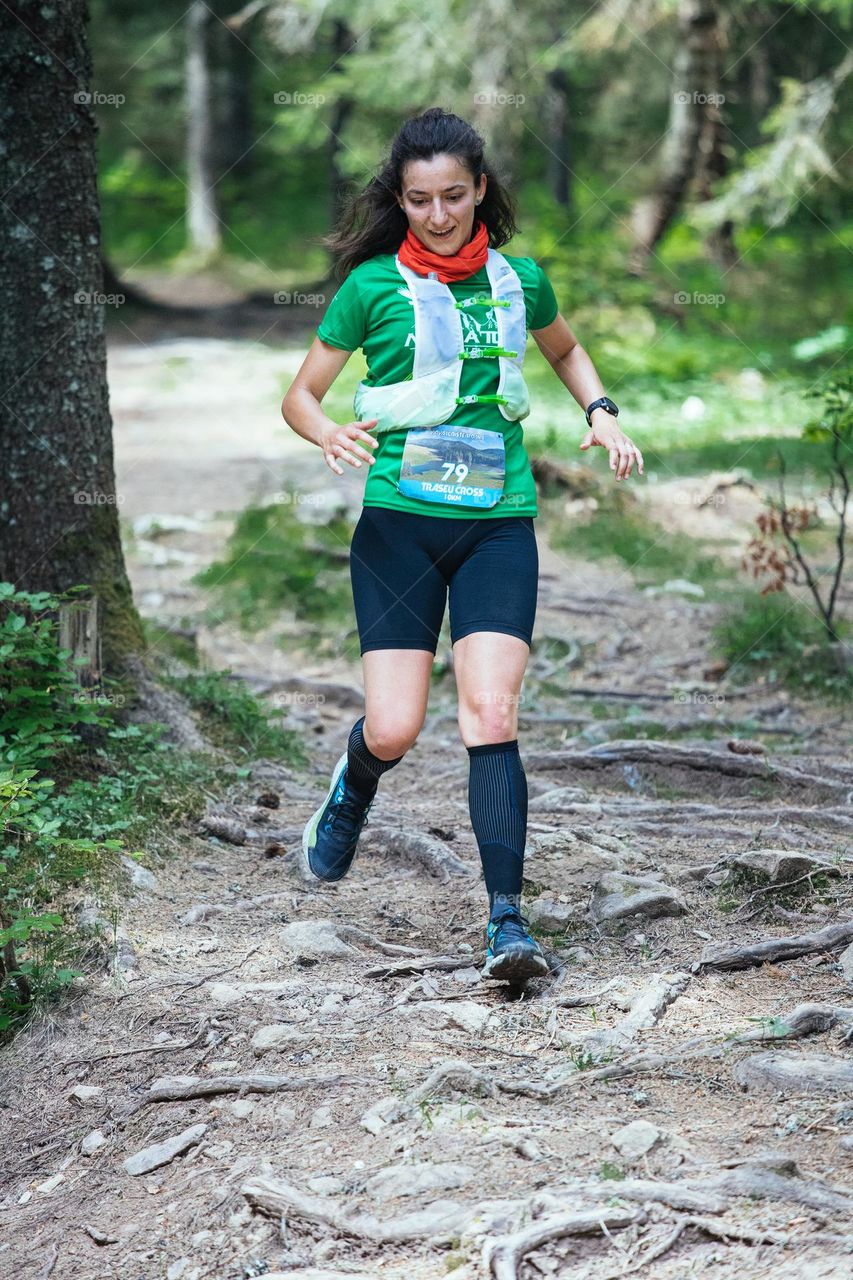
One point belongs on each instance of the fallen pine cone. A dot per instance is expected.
(746, 747)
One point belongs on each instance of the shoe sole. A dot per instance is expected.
(516, 965)
(307, 871)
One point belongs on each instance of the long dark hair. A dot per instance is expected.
(372, 221)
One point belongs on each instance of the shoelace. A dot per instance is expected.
(349, 807)
(513, 925)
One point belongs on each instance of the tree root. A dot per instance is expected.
(668, 755)
(415, 846)
(440, 1223)
(179, 1088)
(723, 956)
(503, 1255)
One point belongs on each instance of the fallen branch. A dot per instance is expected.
(420, 964)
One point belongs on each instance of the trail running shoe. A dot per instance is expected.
(331, 834)
(511, 953)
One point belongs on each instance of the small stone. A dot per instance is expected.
(551, 916)
(241, 1108)
(633, 1140)
(465, 1015)
(92, 1142)
(846, 962)
(50, 1184)
(325, 1185)
(161, 1153)
(315, 940)
(140, 877)
(86, 1093)
(321, 1118)
(278, 1035)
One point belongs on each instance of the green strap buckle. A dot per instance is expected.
(481, 353)
(478, 399)
(482, 300)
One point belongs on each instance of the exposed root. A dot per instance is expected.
(725, 956)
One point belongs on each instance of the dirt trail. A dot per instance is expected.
(344, 1105)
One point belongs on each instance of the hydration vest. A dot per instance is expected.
(431, 395)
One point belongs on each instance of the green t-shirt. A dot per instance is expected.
(371, 311)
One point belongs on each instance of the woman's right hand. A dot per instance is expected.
(340, 442)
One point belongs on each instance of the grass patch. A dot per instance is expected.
(234, 718)
(274, 562)
(652, 553)
(782, 640)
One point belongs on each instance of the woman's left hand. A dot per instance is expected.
(606, 431)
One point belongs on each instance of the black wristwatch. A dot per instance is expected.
(604, 403)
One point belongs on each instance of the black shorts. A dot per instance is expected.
(402, 564)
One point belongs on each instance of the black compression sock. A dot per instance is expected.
(497, 799)
(364, 769)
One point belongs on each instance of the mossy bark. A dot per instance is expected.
(59, 507)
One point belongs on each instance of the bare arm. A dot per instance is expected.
(575, 369)
(302, 411)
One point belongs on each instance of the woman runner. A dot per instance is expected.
(449, 499)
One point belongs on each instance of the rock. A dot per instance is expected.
(846, 1144)
(577, 857)
(321, 1118)
(86, 1093)
(576, 955)
(681, 587)
(325, 1185)
(92, 1142)
(618, 896)
(565, 800)
(779, 866)
(50, 1184)
(440, 1014)
(466, 977)
(846, 962)
(417, 1179)
(161, 1153)
(315, 940)
(241, 1108)
(551, 916)
(279, 1035)
(140, 877)
(633, 1140)
(792, 1072)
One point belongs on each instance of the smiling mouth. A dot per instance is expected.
(442, 235)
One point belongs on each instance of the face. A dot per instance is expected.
(440, 201)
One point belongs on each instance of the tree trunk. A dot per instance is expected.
(558, 114)
(58, 508)
(203, 223)
(235, 127)
(343, 40)
(695, 78)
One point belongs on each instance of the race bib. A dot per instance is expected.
(459, 466)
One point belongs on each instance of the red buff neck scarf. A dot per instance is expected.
(449, 267)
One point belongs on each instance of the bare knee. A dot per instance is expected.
(490, 720)
(391, 737)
